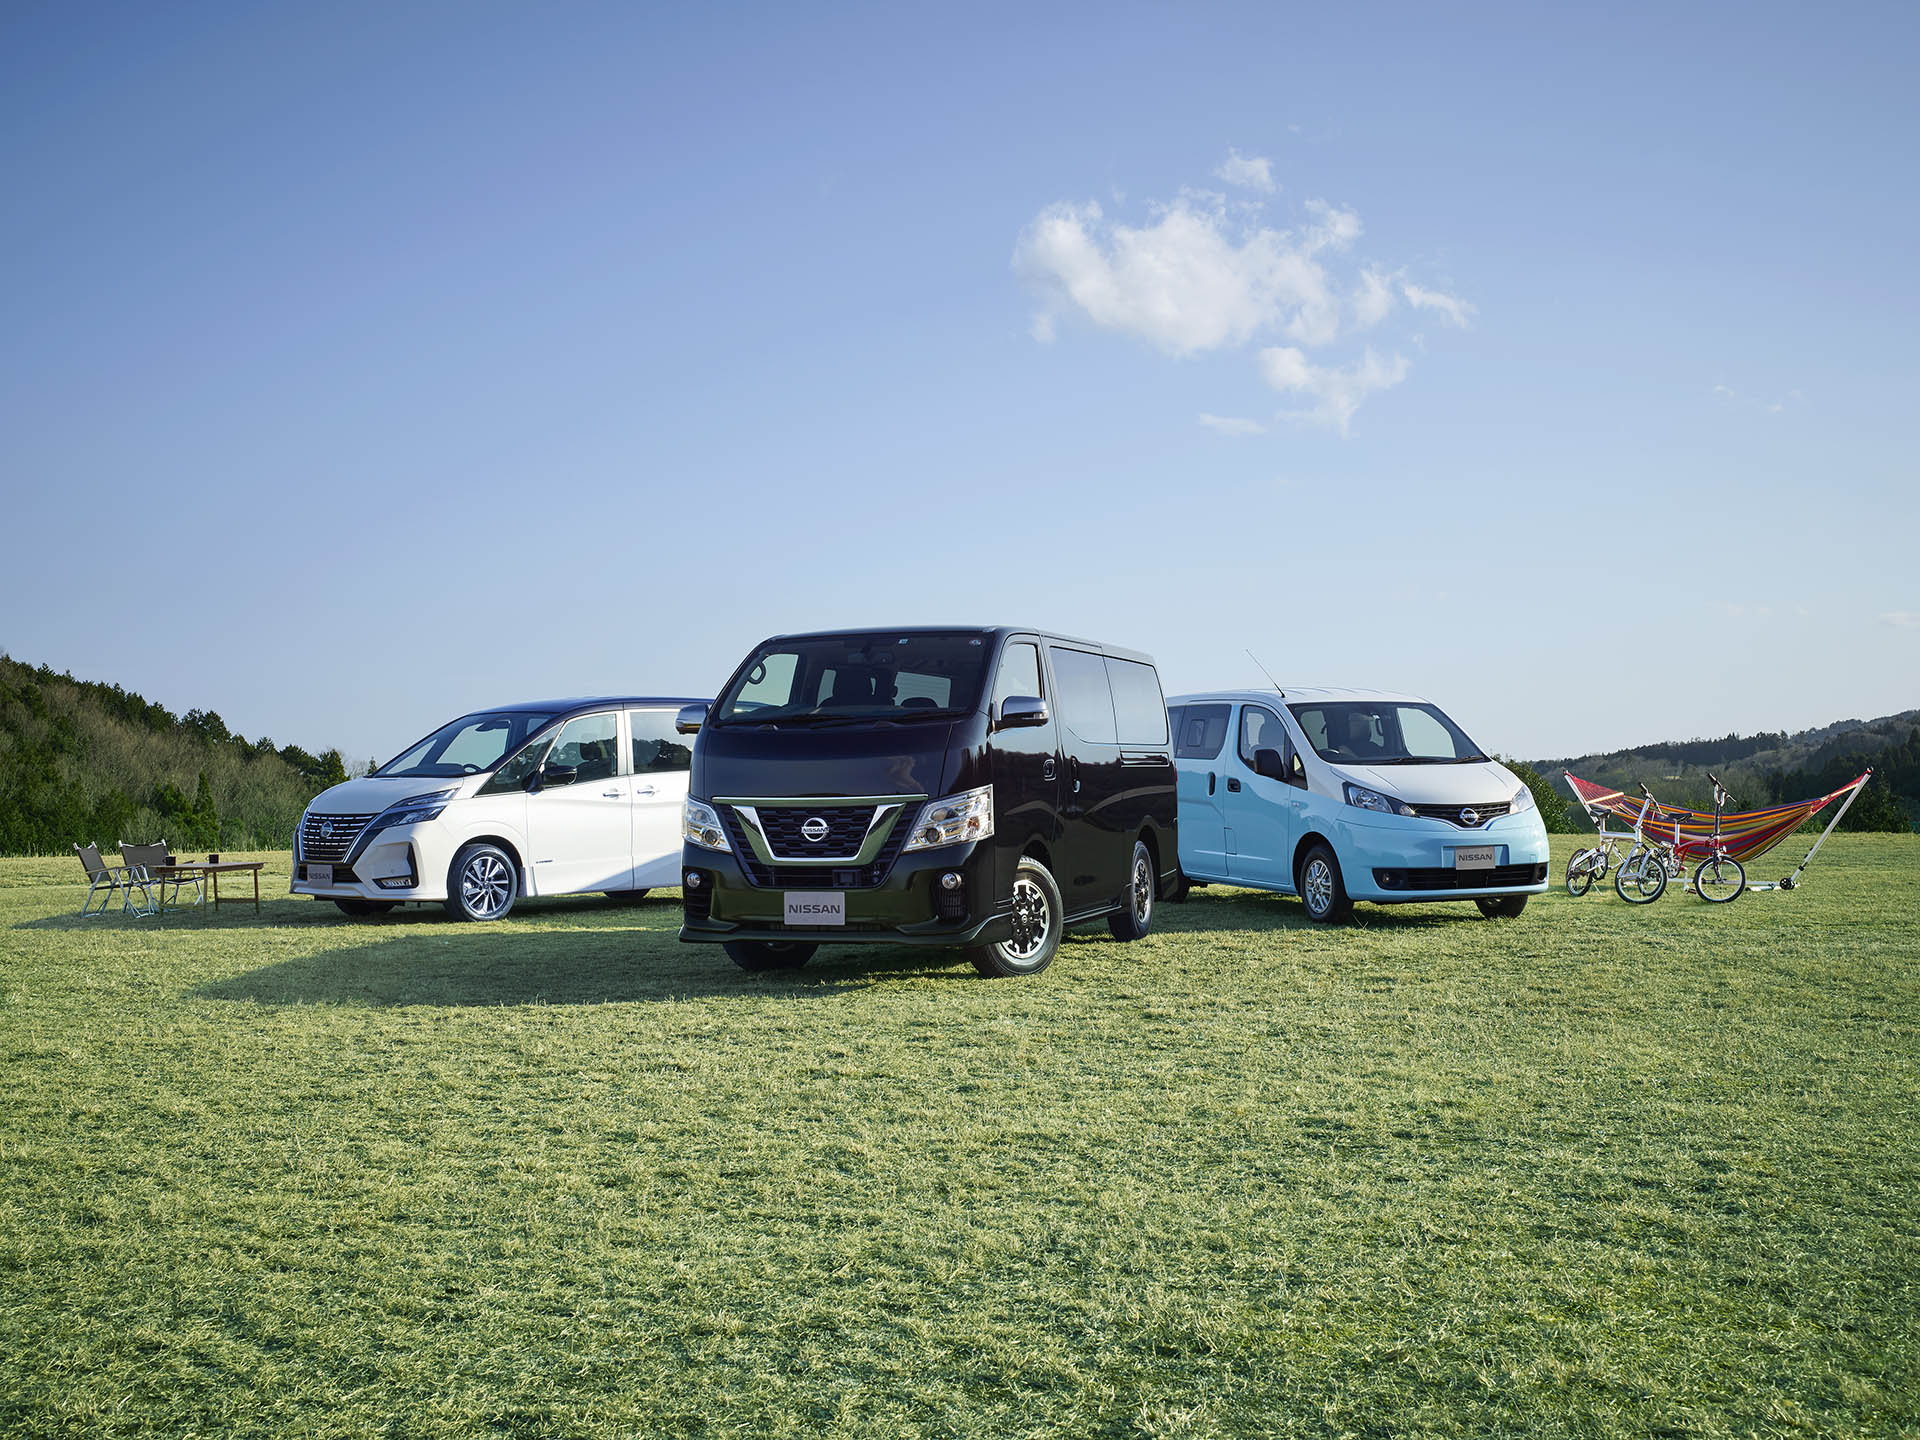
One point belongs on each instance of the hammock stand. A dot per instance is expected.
(1743, 835)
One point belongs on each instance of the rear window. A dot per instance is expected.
(1202, 731)
(1139, 709)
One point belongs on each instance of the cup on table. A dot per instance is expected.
(173, 859)
(213, 859)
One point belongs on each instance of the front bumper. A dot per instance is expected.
(1416, 855)
(909, 907)
(410, 859)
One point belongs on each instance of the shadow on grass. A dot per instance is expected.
(393, 962)
(1266, 910)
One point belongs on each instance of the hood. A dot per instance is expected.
(856, 760)
(1480, 784)
(371, 795)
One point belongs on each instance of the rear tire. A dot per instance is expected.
(759, 955)
(1501, 907)
(1322, 890)
(1039, 920)
(360, 909)
(482, 883)
(1581, 868)
(1136, 918)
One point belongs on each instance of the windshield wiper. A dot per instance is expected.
(1469, 759)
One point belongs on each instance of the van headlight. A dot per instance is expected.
(700, 825)
(953, 820)
(1522, 801)
(415, 810)
(1365, 799)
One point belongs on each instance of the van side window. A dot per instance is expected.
(1139, 709)
(1260, 729)
(1201, 731)
(1019, 673)
(590, 745)
(657, 746)
(1086, 704)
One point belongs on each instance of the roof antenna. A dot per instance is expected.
(1269, 674)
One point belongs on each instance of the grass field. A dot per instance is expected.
(1594, 1171)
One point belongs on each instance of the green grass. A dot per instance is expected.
(1593, 1171)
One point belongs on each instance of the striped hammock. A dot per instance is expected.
(1743, 834)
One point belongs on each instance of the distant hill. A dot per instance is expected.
(81, 761)
(1772, 768)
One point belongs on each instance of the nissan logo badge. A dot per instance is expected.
(1469, 816)
(326, 829)
(814, 830)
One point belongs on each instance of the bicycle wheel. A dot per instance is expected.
(1641, 878)
(1719, 879)
(1605, 852)
(1580, 871)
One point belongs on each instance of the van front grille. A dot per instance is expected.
(1492, 810)
(1499, 877)
(330, 837)
(814, 877)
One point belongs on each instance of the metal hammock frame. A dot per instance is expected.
(1743, 834)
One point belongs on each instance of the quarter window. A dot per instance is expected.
(1086, 704)
(657, 746)
(1201, 732)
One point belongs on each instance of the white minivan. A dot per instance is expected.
(552, 797)
(1340, 795)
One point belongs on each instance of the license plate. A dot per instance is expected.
(319, 874)
(816, 907)
(1477, 857)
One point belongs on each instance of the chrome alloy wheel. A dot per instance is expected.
(1030, 920)
(1142, 891)
(486, 885)
(1317, 886)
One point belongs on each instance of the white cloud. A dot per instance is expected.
(1042, 328)
(1229, 425)
(1901, 619)
(1457, 311)
(1373, 301)
(1194, 279)
(1337, 392)
(1254, 172)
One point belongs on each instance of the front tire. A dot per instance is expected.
(1039, 920)
(1501, 907)
(1133, 922)
(482, 883)
(761, 955)
(1322, 890)
(360, 909)
(1641, 878)
(1719, 879)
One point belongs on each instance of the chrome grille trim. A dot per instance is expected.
(325, 848)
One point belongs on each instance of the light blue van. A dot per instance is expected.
(1340, 795)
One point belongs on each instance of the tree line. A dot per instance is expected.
(82, 761)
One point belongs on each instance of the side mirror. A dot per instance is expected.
(554, 775)
(1020, 710)
(1270, 764)
(690, 719)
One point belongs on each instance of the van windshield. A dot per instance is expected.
(829, 679)
(471, 745)
(1384, 732)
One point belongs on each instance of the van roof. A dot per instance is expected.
(1297, 694)
(998, 632)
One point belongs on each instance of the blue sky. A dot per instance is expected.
(364, 365)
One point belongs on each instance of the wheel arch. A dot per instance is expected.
(1307, 842)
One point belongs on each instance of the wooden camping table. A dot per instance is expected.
(210, 872)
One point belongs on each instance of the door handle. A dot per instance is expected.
(1073, 772)
(1211, 782)
(612, 794)
(1047, 771)
(644, 790)
(1233, 784)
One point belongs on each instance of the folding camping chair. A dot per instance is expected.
(140, 861)
(100, 876)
